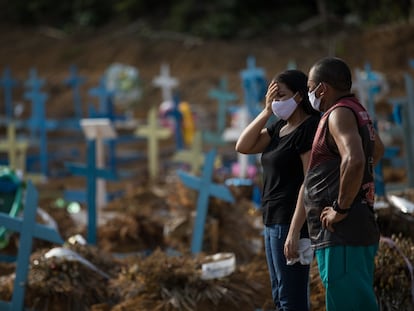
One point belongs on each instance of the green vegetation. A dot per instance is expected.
(213, 18)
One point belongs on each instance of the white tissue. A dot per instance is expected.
(305, 252)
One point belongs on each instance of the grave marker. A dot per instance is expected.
(194, 156)
(153, 132)
(291, 65)
(369, 85)
(37, 124)
(105, 101)
(165, 82)
(233, 133)
(205, 188)
(213, 139)
(74, 81)
(28, 229)
(39, 127)
(99, 130)
(92, 173)
(176, 114)
(16, 149)
(223, 96)
(34, 82)
(8, 83)
(254, 85)
(408, 126)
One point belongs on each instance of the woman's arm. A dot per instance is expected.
(254, 137)
(299, 218)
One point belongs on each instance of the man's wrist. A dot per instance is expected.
(338, 209)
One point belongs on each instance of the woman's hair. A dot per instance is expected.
(297, 82)
(333, 71)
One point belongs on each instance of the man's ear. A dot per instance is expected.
(324, 88)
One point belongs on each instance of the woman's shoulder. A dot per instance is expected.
(312, 121)
(276, 124)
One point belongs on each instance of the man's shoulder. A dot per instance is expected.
(349, 101)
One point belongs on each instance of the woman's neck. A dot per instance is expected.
(297, 117)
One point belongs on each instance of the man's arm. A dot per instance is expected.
(344, 130)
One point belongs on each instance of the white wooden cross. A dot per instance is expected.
(99, 129)
(165, 82)
(153, 132)
(233, 133)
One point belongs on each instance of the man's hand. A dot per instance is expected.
(330, 217)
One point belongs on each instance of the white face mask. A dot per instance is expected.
(315, 102)
(284, 108)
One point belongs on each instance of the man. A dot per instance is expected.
(338, 191)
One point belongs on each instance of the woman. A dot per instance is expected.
(285, 146)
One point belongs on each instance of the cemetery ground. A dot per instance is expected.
(141, 231)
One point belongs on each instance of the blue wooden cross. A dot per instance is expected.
(106, 101)
(368, 87)
(74, 81)
(372, 88)
(92, 173)
(206, 188)
(38, 126)
(223, 96)
(254, 86)
(8, 83)
(397, 103)
(411, 63)
(291, 65)
(28, 229)
(408, 127)
(178, 118)
(34, 83)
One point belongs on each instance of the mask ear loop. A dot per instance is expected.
(294, 97)
(317, 87)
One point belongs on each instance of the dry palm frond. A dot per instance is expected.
(174, 283)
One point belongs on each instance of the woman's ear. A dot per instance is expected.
(298, 97)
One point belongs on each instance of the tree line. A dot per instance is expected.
(212, 18)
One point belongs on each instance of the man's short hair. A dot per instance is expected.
(333, 71)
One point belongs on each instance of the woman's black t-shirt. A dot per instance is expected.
(283, 169)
